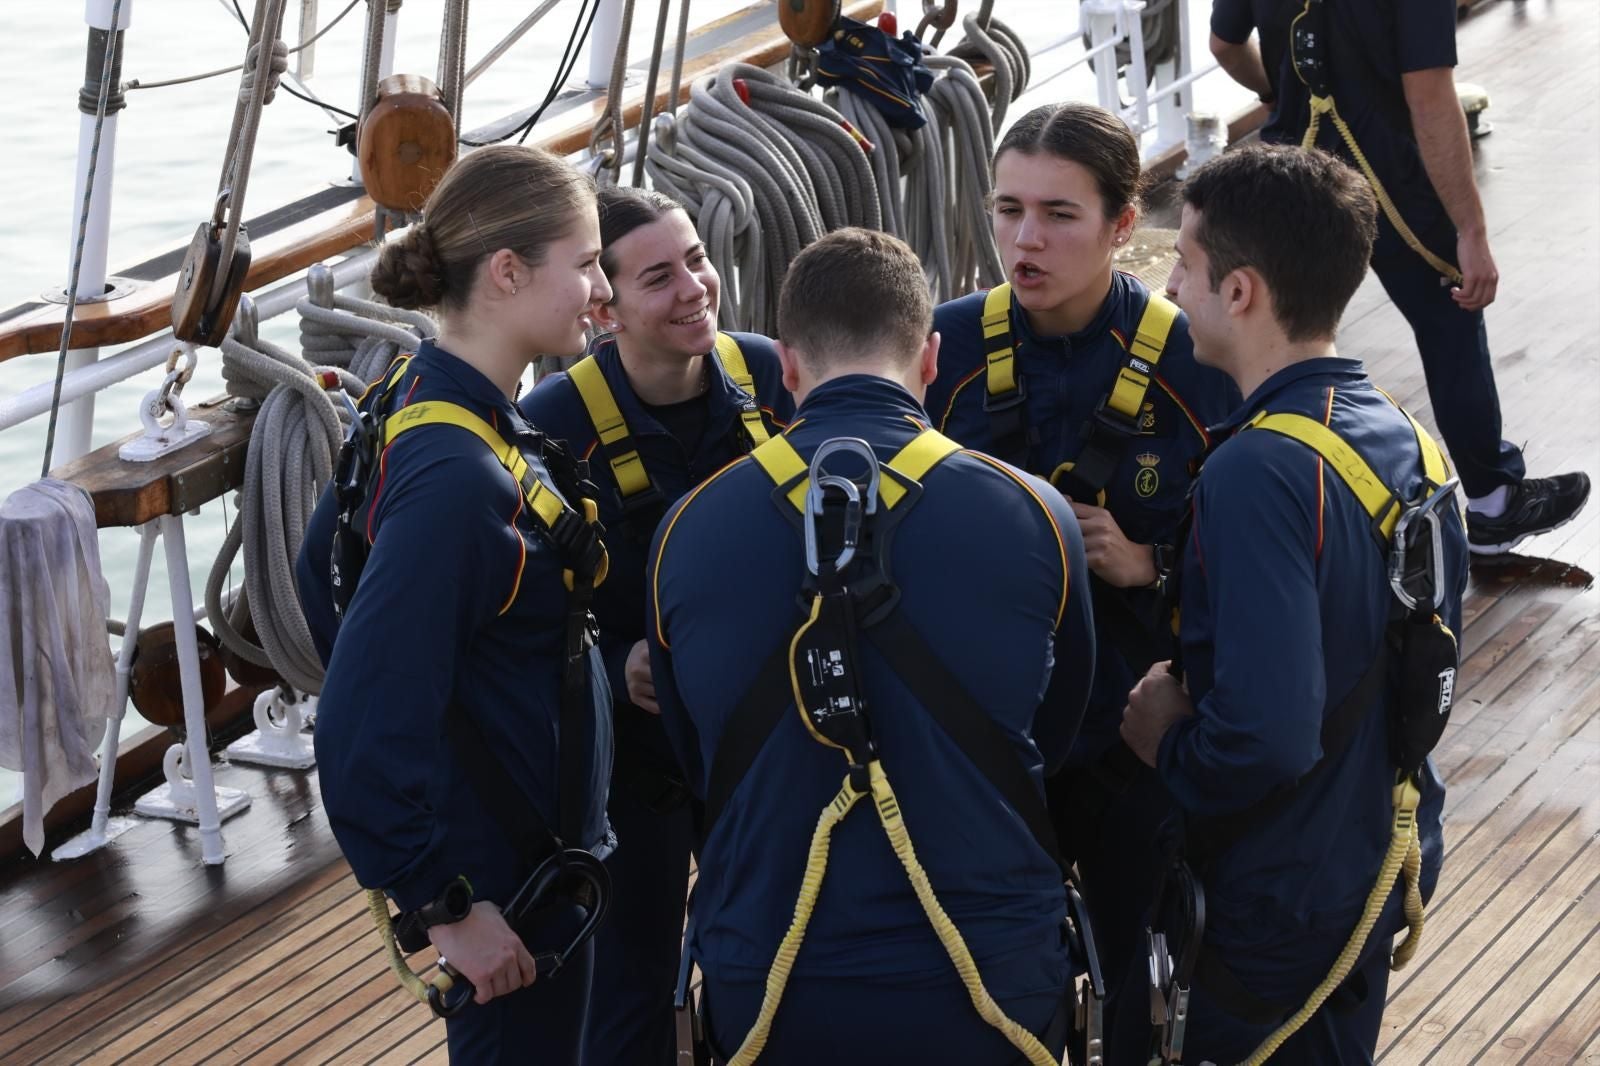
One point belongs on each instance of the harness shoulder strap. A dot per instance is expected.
(543, 501)
(615, 439)
(733, 361)
(576, 536)
(1377, 499)
(788, 470)
(997, 347)
(1144, 353)
(906, 652)
(1116, 420)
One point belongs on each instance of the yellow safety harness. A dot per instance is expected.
(1404, 855)
(1115, 420)
(788, 471)
(639, 497)
(1308, 54)
(553, 513)
(574, 533)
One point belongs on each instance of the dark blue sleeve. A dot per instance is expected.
(1232, 20)
(424, 593)
(1072, 676)
(680, 730)
(1260, 725)
(1425, 34)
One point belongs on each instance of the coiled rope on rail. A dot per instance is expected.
(761, 179)
(999, 45)
(296, 437)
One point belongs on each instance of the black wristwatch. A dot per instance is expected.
(451, 905)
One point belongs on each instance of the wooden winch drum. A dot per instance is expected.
(155, 684)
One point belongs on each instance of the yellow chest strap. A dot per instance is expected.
(732, 360)
(1381, 503)
(544, 502)
(1126, 397)
(617, 441)
(785, 466)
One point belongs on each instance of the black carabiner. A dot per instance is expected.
(571, 874)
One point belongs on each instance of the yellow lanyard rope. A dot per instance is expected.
(811, 886)
(1403, 858)
(1321, 105)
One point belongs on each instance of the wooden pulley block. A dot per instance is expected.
(406, 142)
(154, 681)
(807, 22)
(197, 318)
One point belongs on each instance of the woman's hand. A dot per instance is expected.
(483, 949)
(1109, 553)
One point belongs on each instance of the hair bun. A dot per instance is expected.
(409, 272)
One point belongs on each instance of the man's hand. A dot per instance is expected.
(1118, 560)
(1480, 278)
(636, 671)
(483, 949)
(1156, 704)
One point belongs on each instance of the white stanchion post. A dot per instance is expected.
(103, 828)
(1138, 119)
(604, 37)
(74, 431)
(1101, 17)
(202, 802)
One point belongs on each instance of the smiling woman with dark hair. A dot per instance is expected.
(663, 401)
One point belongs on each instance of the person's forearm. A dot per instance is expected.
(1243, 64)
(1441, 132)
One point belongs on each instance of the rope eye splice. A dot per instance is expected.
(829, 695)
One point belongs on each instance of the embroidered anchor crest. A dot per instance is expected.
(1147, 480)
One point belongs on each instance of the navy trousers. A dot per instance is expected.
(863, 1022)
(1455, 352)
(636, 950)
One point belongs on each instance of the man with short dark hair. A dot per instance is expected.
(1387, 68)
(1275, 745)
(968, 593)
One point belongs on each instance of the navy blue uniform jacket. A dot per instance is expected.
(1066, 378)
(990, 566)
(1372, 43)
(557, 410)
(461, 609)
(1285, 598)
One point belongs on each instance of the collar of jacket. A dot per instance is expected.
(1330, 370)
(1111, 312)
(857, 396)
(460, 381)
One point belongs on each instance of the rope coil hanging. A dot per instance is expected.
(297, 433)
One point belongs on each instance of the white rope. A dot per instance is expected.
(293, 444)
(761, 180)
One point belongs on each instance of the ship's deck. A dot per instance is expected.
(140, 954)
